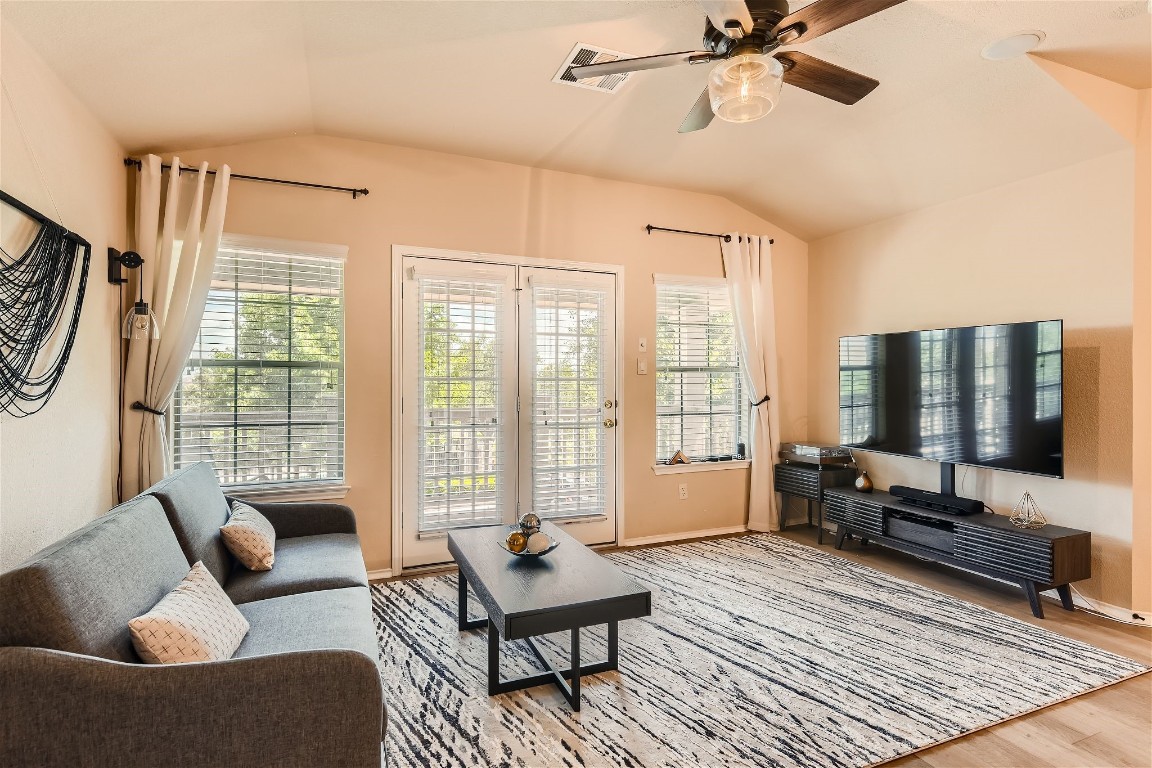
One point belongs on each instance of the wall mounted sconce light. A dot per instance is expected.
(140, 322)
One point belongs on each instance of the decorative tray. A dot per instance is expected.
(551, 546)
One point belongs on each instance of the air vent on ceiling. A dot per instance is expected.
(591, 54)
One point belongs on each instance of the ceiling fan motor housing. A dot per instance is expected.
(766, 14)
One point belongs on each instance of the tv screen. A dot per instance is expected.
(986, 395)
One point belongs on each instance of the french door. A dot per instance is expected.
(509, 400)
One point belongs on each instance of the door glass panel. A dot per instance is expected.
(568, 402)
(460, 440)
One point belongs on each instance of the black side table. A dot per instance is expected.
(808, 482)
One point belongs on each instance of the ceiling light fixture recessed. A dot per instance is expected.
(1013, 46)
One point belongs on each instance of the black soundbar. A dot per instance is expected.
(941, 502)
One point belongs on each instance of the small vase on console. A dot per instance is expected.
(863, 482)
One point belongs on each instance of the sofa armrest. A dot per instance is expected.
(304, 518)
(304, 708)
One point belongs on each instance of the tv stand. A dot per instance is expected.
(1037, 559)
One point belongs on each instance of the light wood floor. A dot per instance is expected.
(1109, 728)
(1106, 728)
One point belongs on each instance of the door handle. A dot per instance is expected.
(609, 423)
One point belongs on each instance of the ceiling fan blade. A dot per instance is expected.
(621, 66)
(826, 15)
(720, 12)
(699, 116)
(824, 79)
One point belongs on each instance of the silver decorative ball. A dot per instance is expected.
(529, 523)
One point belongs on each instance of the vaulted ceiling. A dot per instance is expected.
(475, 78)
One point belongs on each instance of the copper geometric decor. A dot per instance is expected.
(1027, 514)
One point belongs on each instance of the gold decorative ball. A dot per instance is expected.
(517, 541)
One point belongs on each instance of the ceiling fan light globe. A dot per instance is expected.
(745, 87)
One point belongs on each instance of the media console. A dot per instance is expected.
(1038, 559)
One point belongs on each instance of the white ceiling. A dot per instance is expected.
(475, 78)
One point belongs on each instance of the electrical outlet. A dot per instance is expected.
(683, 491)
(641, 366)
(643, 347)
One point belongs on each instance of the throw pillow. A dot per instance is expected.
(194, 622)
(250, 538)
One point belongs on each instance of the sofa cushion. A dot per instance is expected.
(303, 564)
(194, 622)
(196, 509)
(334, 618)
(250, 538)
(78, 594)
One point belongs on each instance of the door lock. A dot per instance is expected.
(609, 423)
(607, 403)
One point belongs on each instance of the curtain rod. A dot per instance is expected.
(726, 238)
(350, 190)
(40, 218)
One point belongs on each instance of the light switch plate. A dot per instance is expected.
(643, 346)
(641, 366)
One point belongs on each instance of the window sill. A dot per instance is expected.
(699, 466)
(308, 492)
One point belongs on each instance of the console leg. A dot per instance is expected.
(808, 508)
(1033, 598)
(819, 522)
(1065, 592)
(841, 532)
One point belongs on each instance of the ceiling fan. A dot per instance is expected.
(741, 35)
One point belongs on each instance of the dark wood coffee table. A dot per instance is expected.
(570, 588)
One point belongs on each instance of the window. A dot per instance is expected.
(1049, 375)
(262, 395)
(701, 408)
(993, 392)
(940, 395)
(859, 387)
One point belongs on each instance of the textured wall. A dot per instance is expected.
(57, 468)
(1053, 246)
(437, 200)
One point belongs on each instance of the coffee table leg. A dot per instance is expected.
(575, 682)
(462, 620)
(613, 645)
(493, 659)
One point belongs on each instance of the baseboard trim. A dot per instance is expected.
(380, 575)
(666, 537)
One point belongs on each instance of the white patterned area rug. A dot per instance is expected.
(759, 652)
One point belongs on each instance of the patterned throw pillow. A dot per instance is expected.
(194, 622)
(250, 538)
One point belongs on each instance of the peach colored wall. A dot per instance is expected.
(57, 467)
(1142, 365)
(437, 200)
(1057, 245)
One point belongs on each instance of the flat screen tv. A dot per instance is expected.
(986, 395)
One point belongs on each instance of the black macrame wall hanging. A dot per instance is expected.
(36, 290)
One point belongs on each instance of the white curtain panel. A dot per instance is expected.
(748, 272)
(178, 238)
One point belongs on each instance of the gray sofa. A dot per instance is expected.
(303, 688)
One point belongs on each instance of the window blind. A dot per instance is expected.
(262, 395)
(700, 404)
(859, 388)
(568, 478)
(940, 414)
(460, 444)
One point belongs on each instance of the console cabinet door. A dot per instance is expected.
(1010, 552)
(859, 515)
